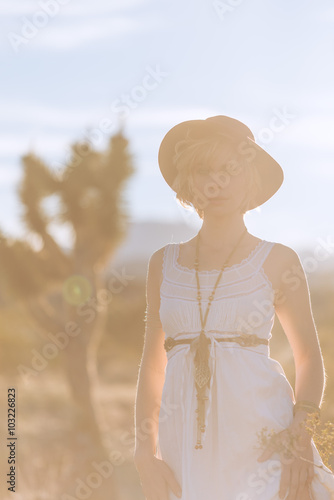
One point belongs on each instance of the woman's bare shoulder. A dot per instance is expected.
(157, 257)
(282, 264)
(284, 254)
(155, 263)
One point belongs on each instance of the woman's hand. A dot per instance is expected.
(156, 478)
(294, 447)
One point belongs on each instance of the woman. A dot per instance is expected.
(207, 385)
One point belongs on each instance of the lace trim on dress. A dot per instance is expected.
(164, 260)
(214, 271)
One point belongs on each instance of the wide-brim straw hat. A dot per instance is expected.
(240, 135)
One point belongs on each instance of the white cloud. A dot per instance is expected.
(73, 8)
(26, 112)
(43, 145)
(59, 35)
(69, 26)
(144, 127)
(89, 8)
(168, 116)
(18, 8)
(311, 131)
(9, 174)
(325, 15)
(71, 36)
(138, 122)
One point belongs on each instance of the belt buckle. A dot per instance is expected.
(169, 343)
(248, 340)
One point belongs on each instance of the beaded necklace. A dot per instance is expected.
(202, 370)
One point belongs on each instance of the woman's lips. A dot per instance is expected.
(217, 200)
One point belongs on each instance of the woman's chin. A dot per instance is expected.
(220, 208)
(219, 205)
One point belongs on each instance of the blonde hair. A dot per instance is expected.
(189, 151)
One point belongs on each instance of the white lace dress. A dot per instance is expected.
(248, 389)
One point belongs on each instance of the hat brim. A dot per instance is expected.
(270, 171)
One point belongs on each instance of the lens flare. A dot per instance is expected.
(77, 290)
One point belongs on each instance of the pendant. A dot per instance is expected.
(202, 380)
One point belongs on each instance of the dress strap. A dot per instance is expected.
(167, 256)
(260, 256)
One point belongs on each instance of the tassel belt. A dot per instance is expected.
(200, 344)
(244, 339)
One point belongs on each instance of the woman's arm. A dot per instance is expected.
(156, 477)
(293, 309)
(152, 367)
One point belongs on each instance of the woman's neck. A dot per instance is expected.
(221, 231)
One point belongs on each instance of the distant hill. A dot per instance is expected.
(145, 237)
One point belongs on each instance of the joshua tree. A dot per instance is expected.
(56, 282)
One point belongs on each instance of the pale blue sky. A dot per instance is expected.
(252, 61)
